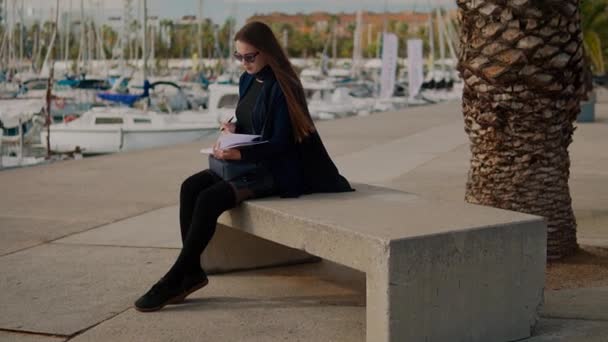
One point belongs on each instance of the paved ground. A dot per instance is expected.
(82, 239)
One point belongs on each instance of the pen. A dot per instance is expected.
(229, 121)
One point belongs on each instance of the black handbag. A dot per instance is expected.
(234, 169)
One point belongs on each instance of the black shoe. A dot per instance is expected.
(191, 283)
(161, 294)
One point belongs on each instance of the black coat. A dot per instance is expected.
(297, 168)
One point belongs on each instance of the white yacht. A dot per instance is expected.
(319, 98)
(223, 99)
(118, 129)
(28, 112)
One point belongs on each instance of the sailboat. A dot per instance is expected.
(131, 127)
(21, 117)
(441, 82)
(17, 130)
(119, 129)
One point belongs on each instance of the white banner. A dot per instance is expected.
(415, 65)
(389, 65)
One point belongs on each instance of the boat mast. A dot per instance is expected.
(216, 45)
(200, 34)
(21, 30)
(49, 51)
(81, 48)
(441, 42)
(145, 41)
(126, 35)
(67, 27)
(11, 38)
(334, 44)
(231, 65)
(91, 43)
(38, 47)
(101, 42)
(49, 85)
(153, 45)
(431, 46)
(357, 45)
(447, 30)
(4, 45)
(385, 20)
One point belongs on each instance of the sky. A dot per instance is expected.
(219, 10)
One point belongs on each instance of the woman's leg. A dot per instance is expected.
(188, 195)
(209, 205)
(186, 276)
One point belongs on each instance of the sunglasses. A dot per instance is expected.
(248, 57)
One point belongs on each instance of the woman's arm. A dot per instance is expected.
(282, 134)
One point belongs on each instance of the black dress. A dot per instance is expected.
(261, 184)
(245, 108)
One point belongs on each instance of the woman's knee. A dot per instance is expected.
(220, 197)
(187, 186)
(197, 182)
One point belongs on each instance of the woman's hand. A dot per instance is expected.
(227, 127)
(229, 154)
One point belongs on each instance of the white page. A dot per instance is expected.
(233, 140)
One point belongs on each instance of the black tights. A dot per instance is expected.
(203, 198)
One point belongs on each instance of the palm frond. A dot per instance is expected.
(593, 49)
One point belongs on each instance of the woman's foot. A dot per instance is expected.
(191, 283)
(159, 295)
(163, 293)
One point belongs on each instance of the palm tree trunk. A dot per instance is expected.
(522, 63)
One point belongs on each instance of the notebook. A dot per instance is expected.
(233, 140)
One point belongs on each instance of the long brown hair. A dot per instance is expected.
(260, 36)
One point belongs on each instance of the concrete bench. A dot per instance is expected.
(435, 271)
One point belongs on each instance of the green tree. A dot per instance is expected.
(402, 32)
(345, 48)
(224, 36)
(594, 22)
(370, 50)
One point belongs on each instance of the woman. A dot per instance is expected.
(272, 104)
